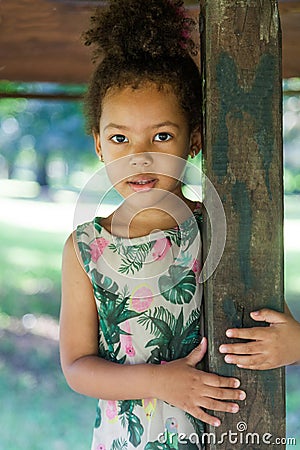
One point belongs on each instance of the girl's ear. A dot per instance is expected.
(195, 142)
(97, 144)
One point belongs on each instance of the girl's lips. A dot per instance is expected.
(142, 185)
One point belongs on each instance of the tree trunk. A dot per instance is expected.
(241, 66)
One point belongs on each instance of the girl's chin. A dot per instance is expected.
(144, 198)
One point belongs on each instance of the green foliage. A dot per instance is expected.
(119, 444)
(133, 257)
(98, 417)
(179, 286)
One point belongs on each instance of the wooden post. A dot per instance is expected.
(241, 65)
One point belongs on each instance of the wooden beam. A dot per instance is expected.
(243, 160)
(40, 39)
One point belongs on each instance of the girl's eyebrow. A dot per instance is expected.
(158, 125)
(168, 123)
(115, 125)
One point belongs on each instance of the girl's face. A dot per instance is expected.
(144, 140)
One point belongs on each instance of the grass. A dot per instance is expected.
(40, 412)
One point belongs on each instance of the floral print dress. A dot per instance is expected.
(149, 300)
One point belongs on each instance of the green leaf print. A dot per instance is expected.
(85, 253)
(98, 417)
(130, 420)
(158, 313)
(189, 232)
(97, 225)
(179, 324)
(173, 339)
(119, 444)
(113, 309)
(135, 429)
(179, 287)
(133, 257)
(104, 287)
(111, 315)
(199, 428)
(157, 446)
(174, 235)
(185, 235)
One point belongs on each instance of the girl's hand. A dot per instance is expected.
(274, 346)
(190, 389)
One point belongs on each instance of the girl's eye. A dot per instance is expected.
(119, 139)
(162, 137)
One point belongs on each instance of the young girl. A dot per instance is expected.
(131, 301)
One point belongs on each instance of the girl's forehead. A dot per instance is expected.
(148, 98)
(142, 89)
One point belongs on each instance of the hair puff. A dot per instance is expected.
(135, 29)
(138, 42)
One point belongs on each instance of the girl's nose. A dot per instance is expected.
(141, 160)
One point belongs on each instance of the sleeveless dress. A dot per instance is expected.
(148, 299)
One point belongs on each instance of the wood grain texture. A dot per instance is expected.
(243, 158)
(40, 39)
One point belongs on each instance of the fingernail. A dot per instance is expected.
(228, 359)
(237, 383)
(202, 340)
(242, 396)
(229, 333)
(255, 313)
(223, 349)
(217, 423)
(235, 408)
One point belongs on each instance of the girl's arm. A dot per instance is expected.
(270, 347)
(85, 372)
(178, 382)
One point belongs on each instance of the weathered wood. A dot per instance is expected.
(243, 158)
(40, 39)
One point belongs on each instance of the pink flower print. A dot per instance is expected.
(101, 447)
(161, 248)
(97, 248)
(111, 410)
(141, 299)
(196, 266)
(126, 340)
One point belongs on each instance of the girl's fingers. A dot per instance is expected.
(257, 333)
(198, 413)
(210, 379)
(249, 348)
(196, 355)
(215, 405)
(246, 362)
(224, 394)
(268, 315)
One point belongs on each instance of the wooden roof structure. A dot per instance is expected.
(40, 39)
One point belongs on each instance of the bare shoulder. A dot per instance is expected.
(71, 253)
(73, 272)
(70, 247)
(78, 307)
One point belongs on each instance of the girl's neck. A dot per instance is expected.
(127, 223)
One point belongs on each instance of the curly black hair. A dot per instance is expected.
(142, 42)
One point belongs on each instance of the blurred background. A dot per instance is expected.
(45, 159)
